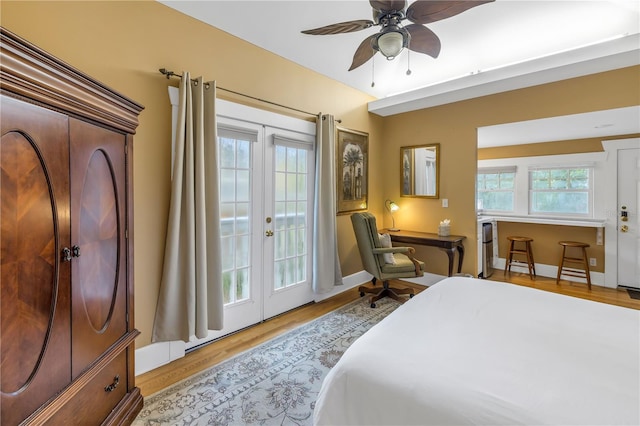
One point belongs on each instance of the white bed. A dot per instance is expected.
(470, 351)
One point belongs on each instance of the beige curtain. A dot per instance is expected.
(326, 264)
(190, 301)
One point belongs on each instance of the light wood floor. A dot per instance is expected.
(229, 346)
(611, 296)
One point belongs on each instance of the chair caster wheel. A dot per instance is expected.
(362, 294)
(373, 305)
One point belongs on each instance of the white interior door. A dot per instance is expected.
(628, 225)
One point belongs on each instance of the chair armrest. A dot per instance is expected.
(382, 250)
(419, 272)
(407, 251)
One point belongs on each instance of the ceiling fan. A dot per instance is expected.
(393, 36)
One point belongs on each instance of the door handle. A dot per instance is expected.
(66, 254)
(114, 385)
(624, 215)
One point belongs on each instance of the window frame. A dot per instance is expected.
(499, 171)
(589, 191)
(594, 160)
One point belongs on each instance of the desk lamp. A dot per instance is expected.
(392, 207)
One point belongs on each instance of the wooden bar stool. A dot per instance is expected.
(583, 260)
(525, 251)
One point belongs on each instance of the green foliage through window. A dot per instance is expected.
(563, 191)
(496, 190)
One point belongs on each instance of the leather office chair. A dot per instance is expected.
(372, 255)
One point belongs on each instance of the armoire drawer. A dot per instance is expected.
(95, 401)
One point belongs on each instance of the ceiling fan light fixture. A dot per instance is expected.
(390, 44)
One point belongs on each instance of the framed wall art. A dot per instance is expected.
(352, 152)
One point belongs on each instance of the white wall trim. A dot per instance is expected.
(348, 283)
(156, 355)
(601, 57)
(549, 271)
(364, 277)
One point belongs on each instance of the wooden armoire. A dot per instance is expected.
(66, 319)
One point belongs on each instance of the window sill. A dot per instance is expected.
(590, 223)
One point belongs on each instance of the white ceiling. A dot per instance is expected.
(485, 37)
(494, 47)
(619, 121)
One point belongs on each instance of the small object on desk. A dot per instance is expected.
(444, 229)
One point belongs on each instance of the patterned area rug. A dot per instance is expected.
(275, 383)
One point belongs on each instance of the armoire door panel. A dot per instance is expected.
(98, 239)
(98, 202)
(34, 296)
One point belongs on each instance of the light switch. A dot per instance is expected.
(445, 202)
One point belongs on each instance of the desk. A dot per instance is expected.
(449, 244)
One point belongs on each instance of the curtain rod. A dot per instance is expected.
(170, 74)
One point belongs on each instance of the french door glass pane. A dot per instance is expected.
(291, 197)
(235, 205)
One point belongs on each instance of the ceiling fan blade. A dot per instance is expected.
(423, 40)
(425, 11)
(363, 53)
(388, 5)
(342, 27)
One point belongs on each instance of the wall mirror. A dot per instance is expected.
(420, 170)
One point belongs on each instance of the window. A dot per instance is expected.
(292, 202)
(561, 191)
(566, 187)
(235, 205)
(495, 187)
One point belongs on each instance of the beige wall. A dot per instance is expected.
(123, 43)
(454, 127)
(574, 146)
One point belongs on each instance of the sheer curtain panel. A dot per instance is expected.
(190, 300)
(326, 263)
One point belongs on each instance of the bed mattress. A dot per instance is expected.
(469, 351)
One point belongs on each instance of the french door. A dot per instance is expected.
(266, 165)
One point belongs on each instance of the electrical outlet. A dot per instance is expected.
(592, 261)
(445, 202)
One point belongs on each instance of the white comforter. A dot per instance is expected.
(470, 351)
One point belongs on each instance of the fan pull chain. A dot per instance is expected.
(408, 63)
(373, 71)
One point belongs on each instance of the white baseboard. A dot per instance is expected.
(158, 354)
(362, 277)
(348, 282)
(549, 271)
